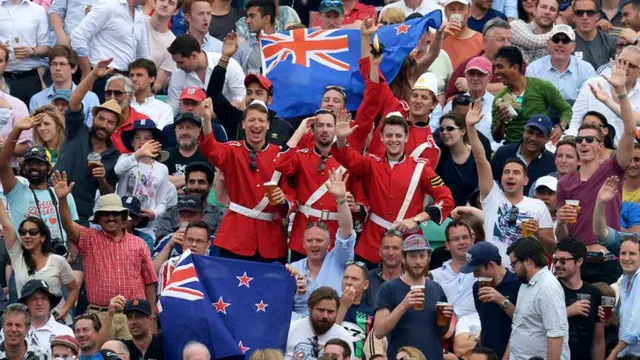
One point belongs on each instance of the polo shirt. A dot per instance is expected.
(541, 166)
(494, 318)
(375, 281)
(154, 352)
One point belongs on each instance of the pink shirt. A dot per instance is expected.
(18, 112)
(46, 4)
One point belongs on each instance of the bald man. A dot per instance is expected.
(195, 351)
(118, 347)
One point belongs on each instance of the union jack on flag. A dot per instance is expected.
(181, 280)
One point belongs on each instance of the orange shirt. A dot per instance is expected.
(460, 50)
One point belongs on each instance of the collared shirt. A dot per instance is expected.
(587, 102)
(72, 11)
(108, 31)
(532, 45)
(484, 126)
(540, 314)
(129, 262)
(44, 98)
(32, 353)
(629, 315)
(507, 7)
(330, 273)
(25, 24)
(41, 338)
(458, 288)
(569, 82)
(18, 112)
(156, 110)
(375, 281)
(234, 89)
(211, 44)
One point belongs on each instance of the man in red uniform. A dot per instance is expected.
(396, 185)
(252, 228)
(311, 168)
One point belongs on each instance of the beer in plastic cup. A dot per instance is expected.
(459, 19)
(576, 207)
(608, 304)
(582, 296)
(269, 187)
(441, 319)
(418, 307)
(525, 230)
(94, 160)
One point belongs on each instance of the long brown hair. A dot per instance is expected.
(57, 118)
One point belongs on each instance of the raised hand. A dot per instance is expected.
(149, 149)
(207, 109)
(117, 304)
(599, 92)
(343, 128)
(368, 27)
(475, 114)
(306, 124)
(29, 122)
(609, 189)
(60, 185)
(102, 69)
(336, 185)
(230, 44)
(618, 77)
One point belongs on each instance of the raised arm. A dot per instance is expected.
(101, 70)
(337, 187)
(351, 159)
(7, 177)
(9, 232)
(607, 192)
(485, 177)
(618, 79)
(63, 189)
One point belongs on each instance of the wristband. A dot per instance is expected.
(340, 202)
(622, 96)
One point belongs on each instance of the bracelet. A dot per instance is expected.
(621, 96)
(340, 202)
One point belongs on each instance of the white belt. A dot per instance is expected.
(320, 214)
(251, 213)
(380, 221)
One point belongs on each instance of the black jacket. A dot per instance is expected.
(231, 118)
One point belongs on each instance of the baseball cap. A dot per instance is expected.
(262, 80)
(260, 103)
(193, 93)
(563, 29)
(39, 153)
(564, 4)
(140, 305)
(332, 5)
(109, 355)
(416, 242)
(547, 181)
(187, 116)
(190, 202)
(463, 2)
(480, 254)
(540, 122)
(427, 81)
(34, 285)
(68, 341)
(479, 63)
(64, 94)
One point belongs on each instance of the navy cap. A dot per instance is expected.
(38, 152)
(480, 254)
(34, 285)
(139, 305)
(540, 122)
(109, 355)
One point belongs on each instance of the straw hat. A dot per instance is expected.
(112, 106)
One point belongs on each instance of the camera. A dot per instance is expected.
(59, 247)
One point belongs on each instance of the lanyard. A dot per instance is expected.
(54, 199)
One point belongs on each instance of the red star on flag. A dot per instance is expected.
(221, 306)
(244, 280)
(242, 347)
(262, 306)
(402, 29)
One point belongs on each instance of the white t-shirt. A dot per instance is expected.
(299, 346)
(497, 210)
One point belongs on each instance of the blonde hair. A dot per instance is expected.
(57, 118)
(267, 354)
(393, 16)
(414, 353)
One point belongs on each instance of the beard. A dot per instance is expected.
(35, 179)
(187, 143)
(94, 131)
(522, 278)
(321, 326)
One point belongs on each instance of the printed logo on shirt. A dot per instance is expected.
(303, 351)
(180, 169)
(505, 231)
(359, 332)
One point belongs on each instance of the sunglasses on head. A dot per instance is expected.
(253, 160)
(31, 232)
(116, 93)
(560, 39)
(581, 13)
(590, 139)
(323, 163)
(448, 128)
(393, 232)
(339, 89)
(357, 263)
(513, 215)
(561, 260)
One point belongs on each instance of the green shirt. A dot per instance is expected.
(539, 98)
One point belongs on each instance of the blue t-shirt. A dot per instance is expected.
(22, 204)
(478, 25)
(416, 328)
(359, 321)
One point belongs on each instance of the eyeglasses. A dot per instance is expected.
(560, 39)
(116, 93)
(315, 346)
(561, 260)
(31, 232)
(513, 215)
(590, 139)
(323, 163)
(581, 13)
(332, 2)
(513, 263)
(253, 160)
(448, 128)
(198, 242)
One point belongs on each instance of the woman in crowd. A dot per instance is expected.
(526, 8)
(32, 257)
(409, 352)
(392, 16)
(50, 132)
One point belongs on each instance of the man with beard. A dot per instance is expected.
(507, 211)
(247, 166)
(540, 321)
(532, 149)
(388, 269)
(36, 199)
(396, 185)
(630, 211)
(311, 168)
(187, 130)
(586, 331)
(80, 141)
(15, 325)
(258, 88)
(307, 336)
(396, 314)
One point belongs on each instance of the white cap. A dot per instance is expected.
(547, 181)
(564, 29)
(463, 2)
(259, 102)
(427, 81)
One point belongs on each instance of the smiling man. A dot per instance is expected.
(15, 326)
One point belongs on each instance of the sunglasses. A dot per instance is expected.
(590, 139)
(463, 99)
(31, 232)
(393, 232)
(448, 128)
(253, 160)
(323, 163)
(359, 264)
(116, 93)
(560, 39)
(315, 346)
(581, 13)
(561, 260)
(339, 89)
(87, 316)
(513, 215)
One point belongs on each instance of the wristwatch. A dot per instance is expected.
(505, 304)
(417, 220)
